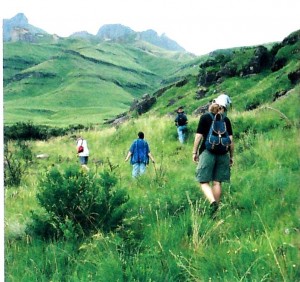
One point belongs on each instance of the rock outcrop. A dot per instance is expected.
(143, 105)
(18, 29)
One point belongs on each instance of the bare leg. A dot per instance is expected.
(217, 190)
(85, 167)
(208, 192)
(212, 195)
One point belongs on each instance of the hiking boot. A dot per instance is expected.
(213, 209)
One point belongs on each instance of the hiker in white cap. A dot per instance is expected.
(224, 101)
(214, 166)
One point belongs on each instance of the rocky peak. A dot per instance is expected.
(114, 32)
(121, 33)
(19, 20)
(162, 41)
(18, 29)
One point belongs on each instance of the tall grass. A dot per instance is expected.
(254, 237)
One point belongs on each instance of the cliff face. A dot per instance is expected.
(18, 29)
(121, 33)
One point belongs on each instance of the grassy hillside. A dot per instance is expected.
(254, 238)
(75, 81)
(167, 233)
(248, 91)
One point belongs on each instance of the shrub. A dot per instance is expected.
(30, 131)
(17, 157)
(79, 203)
(25, 131)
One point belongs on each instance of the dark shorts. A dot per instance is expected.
(83, 160)
(213, 167)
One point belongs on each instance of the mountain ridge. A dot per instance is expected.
(50, 81)
(18, 28)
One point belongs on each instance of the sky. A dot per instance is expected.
(198, 26)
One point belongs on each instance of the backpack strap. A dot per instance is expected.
(212, 116)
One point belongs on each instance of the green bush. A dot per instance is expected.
(17, 157)
(30, 131)
(79, 203)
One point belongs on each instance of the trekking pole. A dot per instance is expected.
(155, 169)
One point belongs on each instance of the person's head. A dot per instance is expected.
(180, 110)
(214, 108)
(220, 104)
(141, 135)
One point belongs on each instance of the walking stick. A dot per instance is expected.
(155, 169)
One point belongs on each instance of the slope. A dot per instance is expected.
(168, 234)
(251, 76)
(256, 232)
(76, 81)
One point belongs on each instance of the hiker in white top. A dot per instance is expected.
(83, 152)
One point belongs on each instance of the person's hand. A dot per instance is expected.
(195, 157)
(231, 162)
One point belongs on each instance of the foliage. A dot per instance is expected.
(17, 157)
(165, 232)
(78, 203)
(30, 131)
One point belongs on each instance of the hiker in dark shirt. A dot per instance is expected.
(181, 122)
(213, 167)
(139, 154)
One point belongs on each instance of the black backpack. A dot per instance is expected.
(181, 119)
(217, 140)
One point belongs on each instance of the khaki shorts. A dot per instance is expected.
(213, 167)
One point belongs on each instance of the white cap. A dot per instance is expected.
(222, 100)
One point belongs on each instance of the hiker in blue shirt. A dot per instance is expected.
(139, 154)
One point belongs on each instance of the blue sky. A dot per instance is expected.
(198, 26)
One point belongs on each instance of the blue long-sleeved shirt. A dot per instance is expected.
(139, 151)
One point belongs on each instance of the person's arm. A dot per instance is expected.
(151, 157)
(231, 150)
(176, 121)
(198, 138)
(79, 143)
(128, 156)
(186, 120)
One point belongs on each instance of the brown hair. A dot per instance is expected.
(214, 108)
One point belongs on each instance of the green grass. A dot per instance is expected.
(256, 234)
(80, 75)
(254, 237)
(75, 74)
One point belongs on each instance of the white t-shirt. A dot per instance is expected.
(82, 142)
